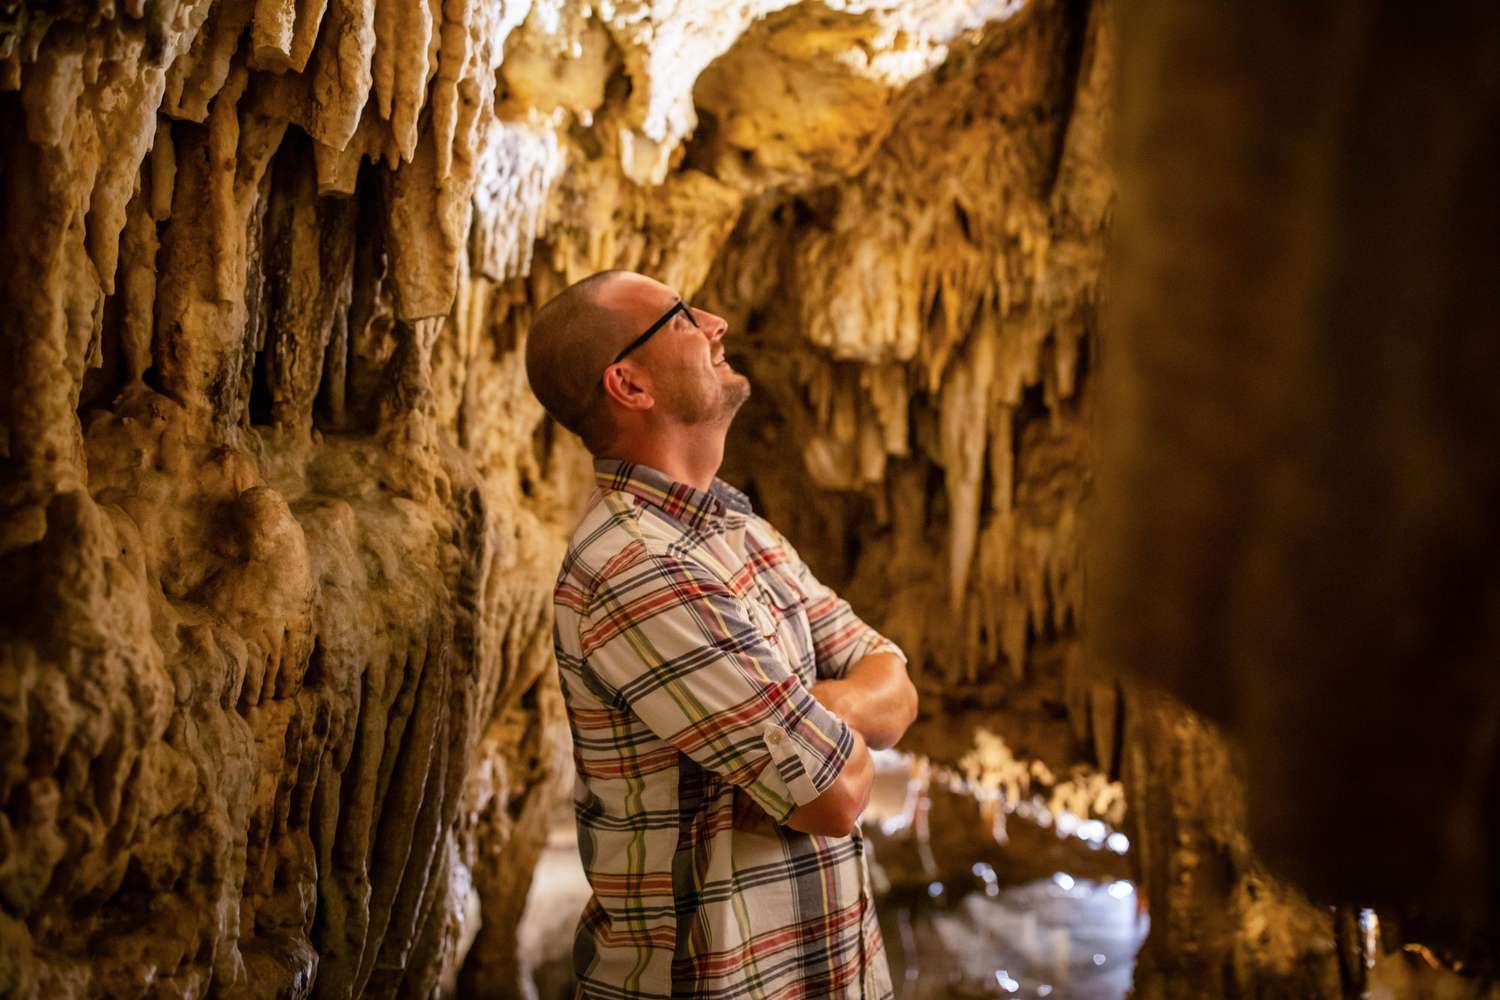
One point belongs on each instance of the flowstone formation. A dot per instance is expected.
(281, 518)
(275, 702)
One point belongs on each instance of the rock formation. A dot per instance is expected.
(1297, 452)
(280, 516)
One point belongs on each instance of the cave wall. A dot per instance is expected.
(281, 517)
(1297, 457)
(276, 705)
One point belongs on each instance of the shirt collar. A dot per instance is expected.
(693, 507)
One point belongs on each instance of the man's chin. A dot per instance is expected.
(737, 390)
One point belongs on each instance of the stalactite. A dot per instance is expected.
(515, 179)
(310, 256)
(340, 71)
(273, 28)
(964, 305)
(410, 70)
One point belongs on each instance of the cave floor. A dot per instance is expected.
(1047, 937)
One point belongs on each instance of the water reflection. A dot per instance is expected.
(967, 910)
(1057, 936)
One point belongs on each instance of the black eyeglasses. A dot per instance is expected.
(678, 306)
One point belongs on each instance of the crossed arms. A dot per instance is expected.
(663, 635)
(878, 701)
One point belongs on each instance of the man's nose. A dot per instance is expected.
(714, 327)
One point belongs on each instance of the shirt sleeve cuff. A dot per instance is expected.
(877, 643)
(868, 644)
(805, 760)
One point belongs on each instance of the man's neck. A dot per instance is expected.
(690, 455)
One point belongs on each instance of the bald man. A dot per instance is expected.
(722, 701)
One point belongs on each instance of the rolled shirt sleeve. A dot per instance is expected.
(840, 637)
(683, 651)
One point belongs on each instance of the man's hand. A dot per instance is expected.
(876, 698)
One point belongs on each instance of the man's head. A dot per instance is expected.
(596, 371)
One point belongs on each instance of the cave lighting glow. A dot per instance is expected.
(1094, 832)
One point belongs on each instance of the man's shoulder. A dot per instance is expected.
(612, 537)
(770, 545)
(764, 530)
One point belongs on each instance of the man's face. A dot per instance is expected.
(689, 376)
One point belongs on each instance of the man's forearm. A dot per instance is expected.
(876, 697)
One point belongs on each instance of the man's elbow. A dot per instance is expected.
(903, 708)
(847, 821)
(835, 813)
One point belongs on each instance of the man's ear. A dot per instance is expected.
(626, 386)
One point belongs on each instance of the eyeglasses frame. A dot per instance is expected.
(679, 306)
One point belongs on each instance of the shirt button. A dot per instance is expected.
(774, 737)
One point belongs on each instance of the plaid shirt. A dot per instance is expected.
(688, 633)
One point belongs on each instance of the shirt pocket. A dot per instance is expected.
(785, 604)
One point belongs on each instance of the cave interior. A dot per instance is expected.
(1127, 362)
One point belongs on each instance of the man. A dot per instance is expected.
(721, 699)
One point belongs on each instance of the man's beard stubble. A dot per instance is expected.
(692, 403)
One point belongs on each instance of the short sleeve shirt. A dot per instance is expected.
(688, 634)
